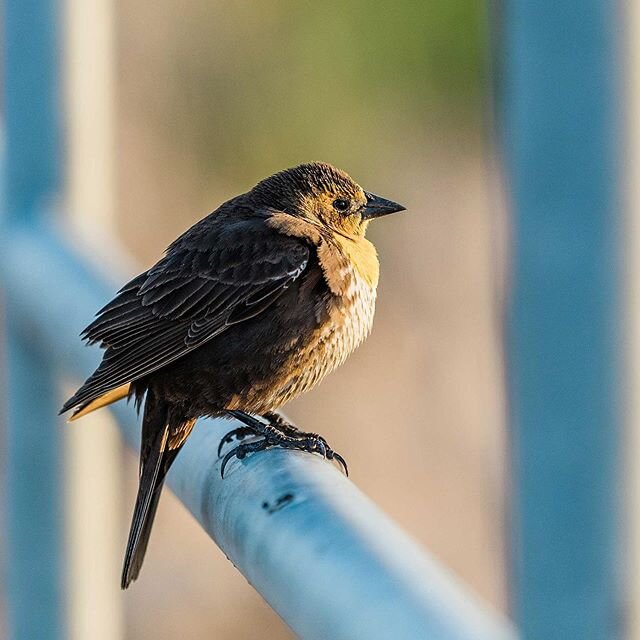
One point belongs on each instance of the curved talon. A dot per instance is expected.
(317, 444)
(241, 452)
(226, 459)
(239, 434)
(341, 461)
(224, 440)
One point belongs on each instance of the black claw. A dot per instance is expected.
(226, 440)
(317, 444)
(341, 460)
(242, 450)
(226, 459)
(239, 434)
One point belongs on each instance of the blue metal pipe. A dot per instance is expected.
(322, 554)
(559, 106)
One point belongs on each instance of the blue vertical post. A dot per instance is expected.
(33, 166)
(34, 518)
(559, 103)
(32, 114)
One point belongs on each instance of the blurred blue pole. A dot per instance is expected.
(31, 106)
(34, 539)
(34, 545)
(559, 104)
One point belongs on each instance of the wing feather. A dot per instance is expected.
(215, 275)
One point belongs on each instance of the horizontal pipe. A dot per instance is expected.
(320, 552)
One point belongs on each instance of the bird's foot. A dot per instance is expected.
(276, 433)
(314, 442)
(274, 419)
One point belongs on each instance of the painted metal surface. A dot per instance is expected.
(559, 102)
(33, 544)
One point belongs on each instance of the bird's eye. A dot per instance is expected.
(341, 205)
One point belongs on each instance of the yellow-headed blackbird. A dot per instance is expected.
(249, 308)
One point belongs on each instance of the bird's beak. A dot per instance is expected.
(377, 207)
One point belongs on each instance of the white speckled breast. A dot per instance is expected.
(357, 310)
(349, 324)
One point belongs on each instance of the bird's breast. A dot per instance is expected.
(346, 325)
(314, 329)
(353, 315)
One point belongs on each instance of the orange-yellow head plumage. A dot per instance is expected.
(323, 195)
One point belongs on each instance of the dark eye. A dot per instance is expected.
(341, 205)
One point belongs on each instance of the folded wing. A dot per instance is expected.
(213, 276)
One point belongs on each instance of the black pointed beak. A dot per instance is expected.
(377, 207)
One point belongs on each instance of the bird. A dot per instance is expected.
(249, 308)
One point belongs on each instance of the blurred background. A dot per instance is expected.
(174, 107)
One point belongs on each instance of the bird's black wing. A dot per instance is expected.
(214, 275)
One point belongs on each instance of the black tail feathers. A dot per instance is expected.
(156, 457)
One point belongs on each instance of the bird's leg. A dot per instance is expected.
(276, 432)
(272, 417)
(277, 420)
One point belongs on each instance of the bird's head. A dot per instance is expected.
(324, 195)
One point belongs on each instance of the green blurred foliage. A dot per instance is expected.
(255, 86)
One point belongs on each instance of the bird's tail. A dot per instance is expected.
(156, 457)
